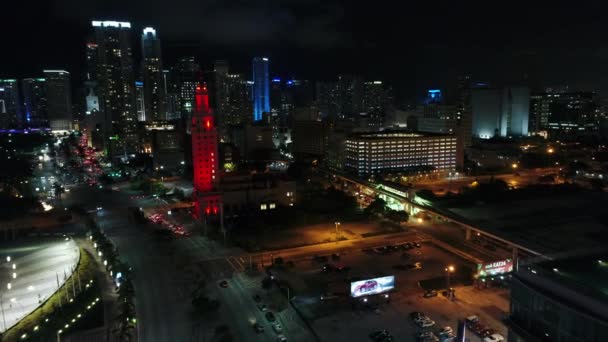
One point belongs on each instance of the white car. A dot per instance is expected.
(447, 330)
(494, 338)
(281, 338)
(277, 328)
(428, 323)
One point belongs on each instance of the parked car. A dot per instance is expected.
(277, 328)
(471, 320)
(270, 317)
(477, 328)
(494, 338)
(429, 293)
(223, 284)
(487, 332)
(447, 330)
(426, 323)
(258, 327)
(262, 307)
(415, 315)
(417, 245)
(381, 250)
(281, 338)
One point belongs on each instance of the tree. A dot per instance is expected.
(377, 207)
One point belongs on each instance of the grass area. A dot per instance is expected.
(56, 308)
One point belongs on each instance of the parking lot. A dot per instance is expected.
(311, 282)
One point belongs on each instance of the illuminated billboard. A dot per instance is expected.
(495, 268)
(372, 286)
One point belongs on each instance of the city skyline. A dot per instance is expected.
(426, 52)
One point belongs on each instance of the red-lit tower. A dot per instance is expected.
(204, 155)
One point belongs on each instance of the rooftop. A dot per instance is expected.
(396, 134)
(589, 271)
(548, 225)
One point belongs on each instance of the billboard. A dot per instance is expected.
(372, 286)
(495, 268)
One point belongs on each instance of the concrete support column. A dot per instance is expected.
(515, 255)
(467, 234)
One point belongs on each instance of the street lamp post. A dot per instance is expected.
(337, 223)
(448, 270)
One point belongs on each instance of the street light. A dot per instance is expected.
(448, 270)
(8, 258)
(514, 165)
(337, 223)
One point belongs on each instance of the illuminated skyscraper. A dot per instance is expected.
(140, 103)
(204, 155)
(153, 75)
(261, 88)
(59, 99)
(91, 77)
(184, 78)
(10, 108)
(34, 102)
(116, 84)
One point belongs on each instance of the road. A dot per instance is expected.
(517, 179)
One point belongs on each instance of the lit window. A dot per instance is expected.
(263, 207)
(272, 206)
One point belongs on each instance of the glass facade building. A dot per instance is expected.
(261, 88)
(562, 301)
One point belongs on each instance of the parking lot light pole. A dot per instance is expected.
(448, 270)
(337, 223)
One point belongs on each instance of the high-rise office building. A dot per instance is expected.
(118, 117)
(464, 114)
(374, 97)
(500, 112)
(140, 101)
(10, 105)
(91, 79)
(153, 75)
(59, 100)
(261, 88)
(205, 155)
(563, 111)
(350, 96)
(34, 102)
(185, 76)
(235, 102)
(326, 99)
(390, 152)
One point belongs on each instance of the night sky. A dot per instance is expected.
(427, 43)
